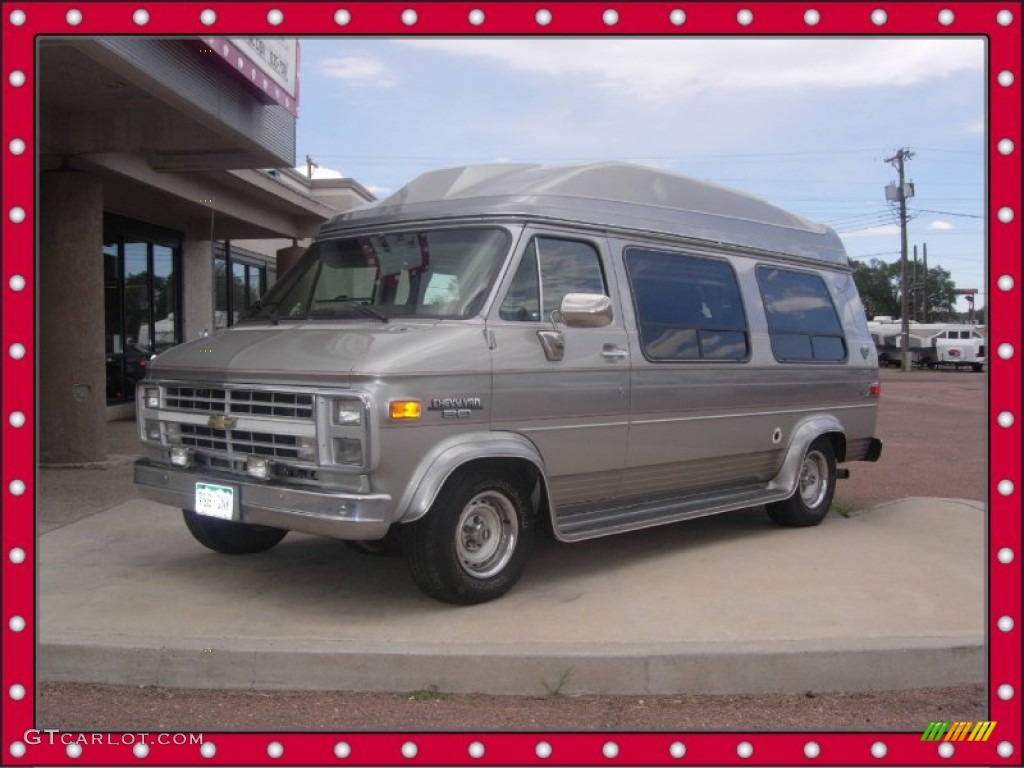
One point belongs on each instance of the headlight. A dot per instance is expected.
(151, 397)
(152, 430)
(348, 450)
(348, 413)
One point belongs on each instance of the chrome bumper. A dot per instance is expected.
(338, 515)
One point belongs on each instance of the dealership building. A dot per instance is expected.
(167, 205)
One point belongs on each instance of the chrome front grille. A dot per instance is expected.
(239, 402)
(240, 442)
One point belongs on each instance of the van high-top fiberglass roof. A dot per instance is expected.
(612, 196)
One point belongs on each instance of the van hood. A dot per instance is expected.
(319, 355)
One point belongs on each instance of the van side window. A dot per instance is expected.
(551, 268)
(688, 308)
(802, 320)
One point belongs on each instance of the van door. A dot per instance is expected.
(575, 410)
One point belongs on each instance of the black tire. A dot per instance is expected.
(816, 484)
(389, 546)
(473, 544)
(229, 537)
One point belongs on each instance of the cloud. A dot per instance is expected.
(940, 226)
(885, 230)
(663, 70)
(975, 126)
(358, 71)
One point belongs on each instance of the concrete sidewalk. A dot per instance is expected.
(890, 597)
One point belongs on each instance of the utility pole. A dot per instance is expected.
(310, 165)
(900, 194)
(925, 299)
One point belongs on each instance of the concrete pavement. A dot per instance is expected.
(888, 597)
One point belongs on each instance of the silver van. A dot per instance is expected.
(498, 349)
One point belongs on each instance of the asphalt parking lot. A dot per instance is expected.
(933, 424)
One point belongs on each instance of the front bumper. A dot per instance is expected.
(336, 514)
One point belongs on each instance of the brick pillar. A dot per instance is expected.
(71, 358)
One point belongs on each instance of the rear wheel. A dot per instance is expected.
(473, 544)
(229, 537)
(816, 484)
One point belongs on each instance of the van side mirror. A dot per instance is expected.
(586, 310)
(578, 310)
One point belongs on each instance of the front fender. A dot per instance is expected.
(806, 432)
(448, 456)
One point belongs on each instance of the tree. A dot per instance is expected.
(879, 285)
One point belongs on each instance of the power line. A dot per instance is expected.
(949, 213)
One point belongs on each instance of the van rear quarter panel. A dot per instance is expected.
(704, 424)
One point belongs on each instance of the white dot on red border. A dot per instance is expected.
(409, 750)
(342, 17)
(208, 750)
(16, 351)
(1005, 555)
(18, 749)
(16, 78)
(1005, 692)
(677, 750)
(476, 17)
(812, 749)
(745, 17)
(543, 17)
(74, 751)
(879, 17)
(17, 147)
(342, 750)
(17, 17)
(17, 214)
(409, 17)
(141, 750)
(610, 17)
(16, 624)
(812, 17)
(946, 749)
(1004, 18)
(1005, 487)
(208, 17)
(1005, 214)
(879, 750)
(946, 17)
(275, 749)
(1005, 624)
(16, 692)
(610, 750)
(1005, 78)
(745, 749)
(73, 17)
(16, 283)
(543, 750)
(476, 750)
(1005, 146)
(141, 18)
(17, 556)
(16, 487)
(677, 17)
(16, 419)
(1005, 351)
(1005, 749)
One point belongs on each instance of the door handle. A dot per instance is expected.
(612, 352)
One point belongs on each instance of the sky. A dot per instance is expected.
(806, 124)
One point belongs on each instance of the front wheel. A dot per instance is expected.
(816, 484)
(229, 537)
(473, 544)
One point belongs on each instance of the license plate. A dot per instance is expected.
(215, 500)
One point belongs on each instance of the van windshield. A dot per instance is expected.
(442, 273)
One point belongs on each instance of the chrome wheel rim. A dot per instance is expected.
(485, 537)
(813, 479)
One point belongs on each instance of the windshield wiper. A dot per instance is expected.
(357, 305)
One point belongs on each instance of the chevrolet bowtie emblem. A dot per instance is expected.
(220, 421)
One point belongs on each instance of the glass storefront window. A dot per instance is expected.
(249, 280)
(142, 296)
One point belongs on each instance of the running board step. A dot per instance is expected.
(584, 521)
